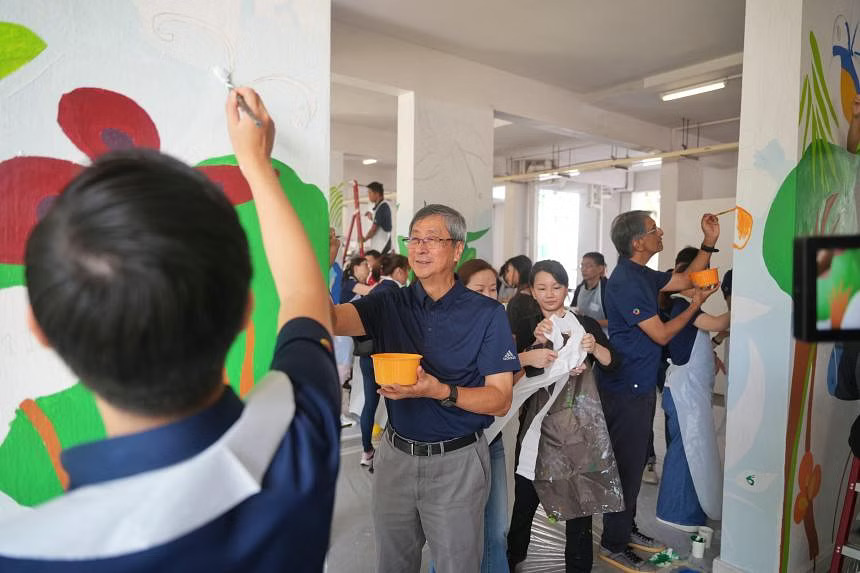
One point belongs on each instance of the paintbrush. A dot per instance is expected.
(726, 211)
(223, 75)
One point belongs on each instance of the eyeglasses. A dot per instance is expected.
(432, 243)
(654, 230)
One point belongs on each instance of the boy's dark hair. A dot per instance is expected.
(555, 268)
(376, 187)
(372, 253)
(138, 276)
(596, 258)
(523, 265)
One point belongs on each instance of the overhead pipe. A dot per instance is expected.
(620, 162)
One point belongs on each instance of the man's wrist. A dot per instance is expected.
(442, 391)
(708, 246)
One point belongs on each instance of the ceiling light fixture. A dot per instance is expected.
(694, 90)
(573, 172)
(653, 162)
(368, 161)
(548, 176)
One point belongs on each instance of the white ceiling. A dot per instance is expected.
(357, 106)
(606, 52)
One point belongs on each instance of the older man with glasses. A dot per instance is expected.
(628, 394)
(433, 469)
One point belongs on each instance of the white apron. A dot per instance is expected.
(692, 386)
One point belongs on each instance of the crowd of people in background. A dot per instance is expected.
(643, 332)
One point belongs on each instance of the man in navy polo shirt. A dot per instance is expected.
(432, 469)
(628, 394)
(139, 277)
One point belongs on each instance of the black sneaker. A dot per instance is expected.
(626, 560)
(641, 541)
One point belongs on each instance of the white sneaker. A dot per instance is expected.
(367, 459)
(649, 475)
(346, 421)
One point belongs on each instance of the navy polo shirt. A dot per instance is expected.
(631, 297)
(463, 337)
(280, 520)
(681, 345)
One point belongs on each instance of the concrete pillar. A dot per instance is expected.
(780, 415)
(445, 155)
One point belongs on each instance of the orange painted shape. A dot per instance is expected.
(45, 428)
(246, 379)
(805, 470)
(814, 485)
(846, 88)
(744, 224)
(801, 504)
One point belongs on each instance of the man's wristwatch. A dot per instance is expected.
(451, 400)
(708, 249)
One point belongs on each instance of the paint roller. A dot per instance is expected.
(225, 77)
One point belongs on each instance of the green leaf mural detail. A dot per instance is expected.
(18, 45)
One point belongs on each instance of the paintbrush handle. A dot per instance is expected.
(244, 107)
(724, 212)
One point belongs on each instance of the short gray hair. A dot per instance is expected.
(626, 228)
(454, 221)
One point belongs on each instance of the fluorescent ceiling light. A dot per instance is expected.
(653, 162)
(573, 172)
(498, 122)
(368, 161)
(548, 176)
(695, 90)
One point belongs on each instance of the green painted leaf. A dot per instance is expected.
(819, 72)
(475, 235)
(18, 45)
(11, 275)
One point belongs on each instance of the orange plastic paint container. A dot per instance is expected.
(396, 368)
(705, 278)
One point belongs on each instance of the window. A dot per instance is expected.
(558, 229)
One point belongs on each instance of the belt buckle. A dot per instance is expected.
(411, 448)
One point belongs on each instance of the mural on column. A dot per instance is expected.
(816, 198)
(43, 408)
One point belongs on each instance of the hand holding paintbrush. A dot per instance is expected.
(223, 75)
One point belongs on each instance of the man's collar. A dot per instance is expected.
(425, 299)
(123, 456)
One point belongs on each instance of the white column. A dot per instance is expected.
(445, 155)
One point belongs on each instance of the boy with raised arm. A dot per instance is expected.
(139, 277)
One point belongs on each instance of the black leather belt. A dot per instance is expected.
(414, 448)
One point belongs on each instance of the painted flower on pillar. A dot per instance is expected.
(809, 484)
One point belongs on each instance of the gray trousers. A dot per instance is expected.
(439, 499)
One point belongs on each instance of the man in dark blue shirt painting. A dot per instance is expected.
(432, 469)
(629, 393)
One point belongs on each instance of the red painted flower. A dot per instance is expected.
(96, 121)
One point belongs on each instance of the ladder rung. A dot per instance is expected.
(851, 551)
